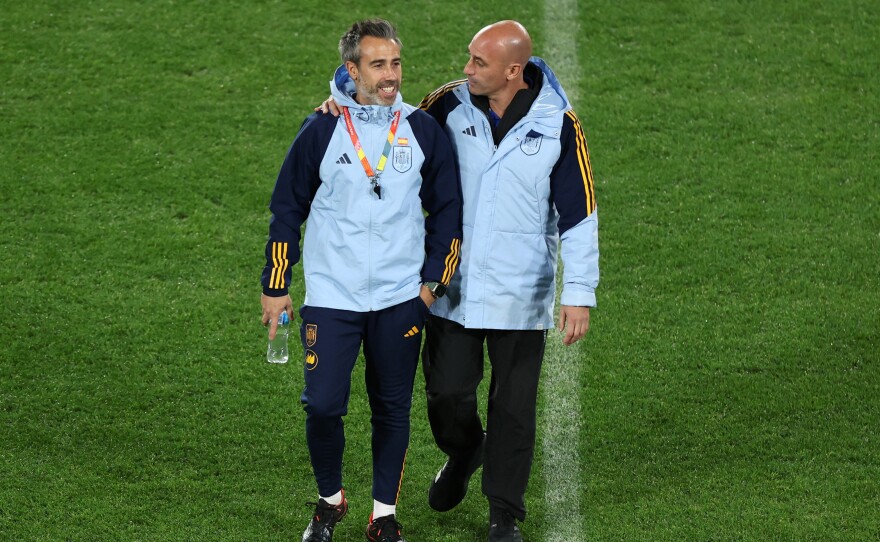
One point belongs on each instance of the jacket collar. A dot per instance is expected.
(519, 107)
(547, 106)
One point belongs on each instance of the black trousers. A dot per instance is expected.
(453, 363)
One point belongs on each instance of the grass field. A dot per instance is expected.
(729, 387)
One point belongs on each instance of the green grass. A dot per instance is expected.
(730, 383)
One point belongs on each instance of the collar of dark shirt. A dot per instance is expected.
(518, 107)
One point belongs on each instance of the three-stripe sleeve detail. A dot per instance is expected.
(583, 156)
(280, 263)
(451, 261)
(429, 100)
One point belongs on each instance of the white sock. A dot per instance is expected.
(382, 509)
(335, 500)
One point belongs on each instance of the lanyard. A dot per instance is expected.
(374, 177)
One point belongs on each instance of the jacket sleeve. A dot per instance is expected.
(571, 184)
(295, 187)
(441, 198)
(439, 103)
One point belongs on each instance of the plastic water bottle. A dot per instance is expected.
(277, 352)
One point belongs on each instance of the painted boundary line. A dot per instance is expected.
(561, 401)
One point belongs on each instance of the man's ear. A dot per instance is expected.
(513, 71)
(352, 70)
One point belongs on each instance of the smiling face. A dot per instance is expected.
(378, 74)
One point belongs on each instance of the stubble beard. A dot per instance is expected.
(374, 96)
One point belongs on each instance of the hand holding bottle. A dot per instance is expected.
(276, 316)
(277, 351)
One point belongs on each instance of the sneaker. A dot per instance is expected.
(502, 527)
(384, 529)
(451, 483)
(324, 520)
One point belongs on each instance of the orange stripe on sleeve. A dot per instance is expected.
(279, 265)
(586, 167)
(451, 261)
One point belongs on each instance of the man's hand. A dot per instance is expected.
(427, 296)
(272, 309)
(329, 106)
(574, 321)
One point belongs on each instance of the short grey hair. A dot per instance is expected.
(350, 42)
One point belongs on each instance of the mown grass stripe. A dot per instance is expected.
(561, 401)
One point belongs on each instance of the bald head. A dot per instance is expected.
(508, 39)
(498, 55)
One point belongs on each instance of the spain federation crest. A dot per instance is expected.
(402, 159)
(532, 143)
(311, 334)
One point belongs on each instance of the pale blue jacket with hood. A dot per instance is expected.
(520, 199)
(362, 252)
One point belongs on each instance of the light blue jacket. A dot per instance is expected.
(361, 252)
(518, 199)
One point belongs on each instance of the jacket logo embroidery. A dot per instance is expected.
(344, 159)
(402, 158)
(532, 143)
(413, 331)
(470, 130)
(311, 334)
(311, 360)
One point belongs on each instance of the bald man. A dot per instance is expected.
(526, 183)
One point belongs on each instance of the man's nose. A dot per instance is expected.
(389, 73)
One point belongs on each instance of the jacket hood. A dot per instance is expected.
(551, 100)
(343, 89)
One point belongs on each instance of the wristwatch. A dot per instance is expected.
(437, 289)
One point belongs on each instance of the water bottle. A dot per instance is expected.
(277, 352)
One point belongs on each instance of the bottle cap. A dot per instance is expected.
(283, 319)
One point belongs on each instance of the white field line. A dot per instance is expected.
(560, 432)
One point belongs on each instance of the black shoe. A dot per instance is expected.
(502, 527)
(451, 483)
(384, 529)
(323, 522)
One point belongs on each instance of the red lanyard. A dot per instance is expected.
(373, 177)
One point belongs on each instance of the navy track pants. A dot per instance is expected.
(331, 340)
